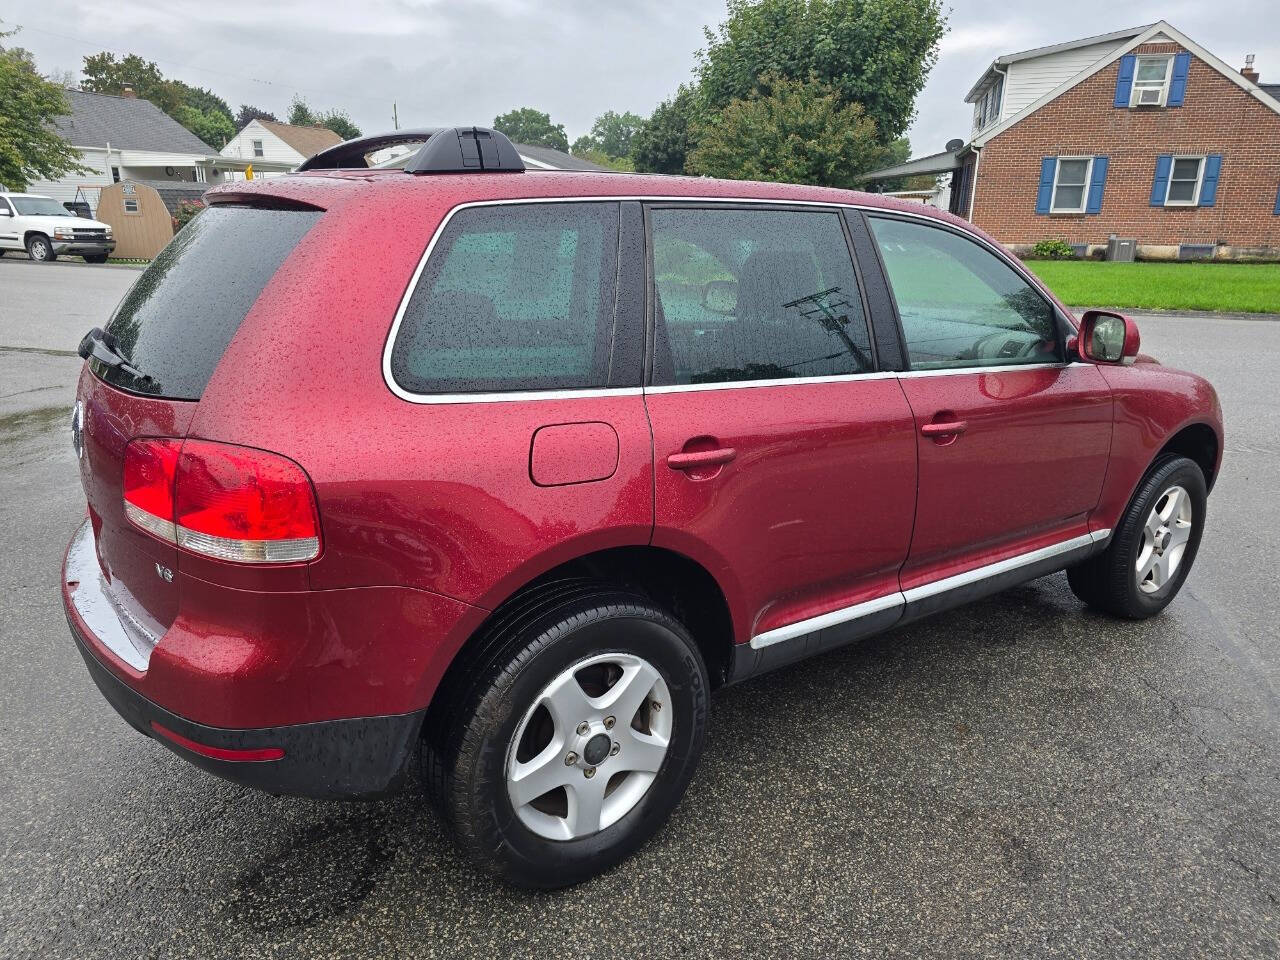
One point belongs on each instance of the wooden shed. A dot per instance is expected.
(139, 219)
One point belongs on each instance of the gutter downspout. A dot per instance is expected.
(973, 188)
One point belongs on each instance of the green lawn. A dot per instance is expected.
(1223, 287)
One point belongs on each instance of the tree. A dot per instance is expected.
(527, 125)
(339, 123)
(611, 134)
(210, 126)
(300, 114)
(873, 52)
(794, 131)
(247, 114)
(30, 149)
(600, 158)
(104, 74)
(201, 111)
(663, 142)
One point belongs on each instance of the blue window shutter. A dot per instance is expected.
(1276, 211)
(1178, 85)
(1044, 196)
(1209, 186)
(1124, 79)
(1096, 183)
(1160, 185)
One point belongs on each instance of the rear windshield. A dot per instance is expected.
(175, 323)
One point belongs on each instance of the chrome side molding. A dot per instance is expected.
(947, 584)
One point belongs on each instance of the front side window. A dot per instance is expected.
(257, 148)
(1071, 184)
(754, 295)
(1184, 181)
(1151, 81)
(513, 297)
(960, 304)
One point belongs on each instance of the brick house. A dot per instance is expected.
(1139, 133)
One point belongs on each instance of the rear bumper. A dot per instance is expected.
(363, 752)
(363, 757)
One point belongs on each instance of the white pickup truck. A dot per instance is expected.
(44, 229)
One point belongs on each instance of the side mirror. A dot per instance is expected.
(5, 213)
(1107, 338)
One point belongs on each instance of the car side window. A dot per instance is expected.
(513, 297)
(960, 304)
(754, 295)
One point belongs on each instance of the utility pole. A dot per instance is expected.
(395, 115)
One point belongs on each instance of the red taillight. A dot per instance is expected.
(150, 467)
(224, 501)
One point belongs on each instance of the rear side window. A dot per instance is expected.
(754, 295)
(175, 323)
(513, 297)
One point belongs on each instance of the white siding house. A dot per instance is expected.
(1016, 80)
(125, 138)
(267, 144)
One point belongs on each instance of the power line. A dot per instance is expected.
(289, 87)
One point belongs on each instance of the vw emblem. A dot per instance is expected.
(77, 429)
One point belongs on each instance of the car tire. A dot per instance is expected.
(536, 697)
(95, 258)
(1153, 546)
(40, 250)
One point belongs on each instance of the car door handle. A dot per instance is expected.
(701, 458)
(950, 428)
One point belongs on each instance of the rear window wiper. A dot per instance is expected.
(104, 348)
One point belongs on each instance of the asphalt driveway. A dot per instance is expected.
(1019, 778)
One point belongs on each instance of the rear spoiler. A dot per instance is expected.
(443, 150)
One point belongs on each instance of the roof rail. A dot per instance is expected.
(443, 150)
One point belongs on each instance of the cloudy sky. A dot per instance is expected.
(464, 61)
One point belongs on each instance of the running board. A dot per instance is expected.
(806, 638)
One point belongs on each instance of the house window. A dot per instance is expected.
(257, 147)
(115, 174)
(1071, 184)
(1184, 182)
(1151, 82)
(130, 204)
(987, 110)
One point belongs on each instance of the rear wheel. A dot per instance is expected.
(40, 249)
(1153, 546)
(571, 747)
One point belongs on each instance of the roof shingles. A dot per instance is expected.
(97, 119)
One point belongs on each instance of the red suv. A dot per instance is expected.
(573, 451)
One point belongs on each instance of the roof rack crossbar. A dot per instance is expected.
(443, 150)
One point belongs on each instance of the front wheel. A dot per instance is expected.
(40, 249)
(575, 743)
(1153, 546)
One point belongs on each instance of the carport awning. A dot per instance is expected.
(943, 162)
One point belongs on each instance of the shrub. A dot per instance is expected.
(186, 212)
(1053, 250)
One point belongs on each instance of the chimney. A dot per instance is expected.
(1247, 70)
(128, 91)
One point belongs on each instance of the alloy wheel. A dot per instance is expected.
(1164, 539)
(590, 746)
